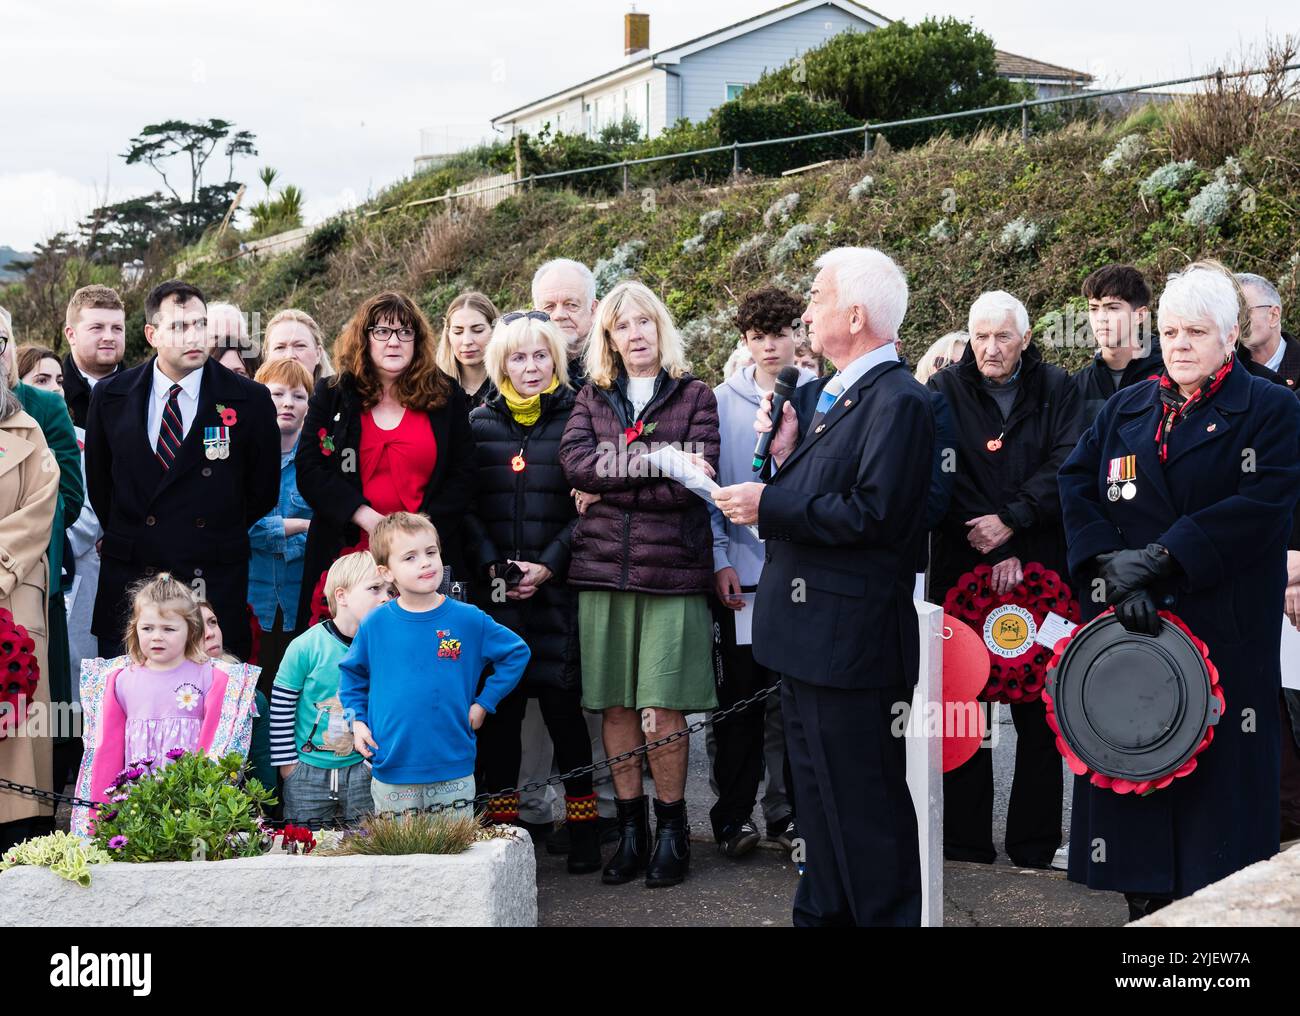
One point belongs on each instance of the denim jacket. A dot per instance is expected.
(275, 569)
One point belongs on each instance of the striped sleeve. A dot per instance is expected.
(284, 706)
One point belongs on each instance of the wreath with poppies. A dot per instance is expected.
(19, 673)
(1119, 785)
(1020, 678)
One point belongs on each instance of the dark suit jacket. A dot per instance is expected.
(843, 519)
(76, 393)
(192, 519)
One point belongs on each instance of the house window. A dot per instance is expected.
(735, 88)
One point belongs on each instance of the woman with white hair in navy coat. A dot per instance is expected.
(1211, 461)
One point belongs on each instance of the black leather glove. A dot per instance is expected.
(1125, 571)
(1137, 613)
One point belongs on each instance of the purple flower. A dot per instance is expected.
(134, 774)
(175, 753)
(119, 798)
(109, 816)
(117, 843)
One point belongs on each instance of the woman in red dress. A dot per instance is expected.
(388, 433)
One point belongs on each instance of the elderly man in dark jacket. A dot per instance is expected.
(1017, 419)
(842, 520)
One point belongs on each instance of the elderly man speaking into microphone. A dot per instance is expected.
(841, 514)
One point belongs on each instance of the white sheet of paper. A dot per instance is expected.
(670, 462)
(1290, 655)
(1053, 629)
(745, 621)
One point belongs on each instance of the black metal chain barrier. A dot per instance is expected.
(51, 797)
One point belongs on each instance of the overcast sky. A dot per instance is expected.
(338, 92)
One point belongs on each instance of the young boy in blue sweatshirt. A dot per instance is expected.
(412, 672)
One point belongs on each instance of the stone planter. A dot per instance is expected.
(494, 883)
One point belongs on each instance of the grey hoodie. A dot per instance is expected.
(738, 398)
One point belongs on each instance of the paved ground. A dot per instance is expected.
(757, 891)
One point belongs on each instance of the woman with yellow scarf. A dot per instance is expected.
(517, 540)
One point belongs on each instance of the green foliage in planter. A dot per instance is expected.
(193, 809)
(66, 855)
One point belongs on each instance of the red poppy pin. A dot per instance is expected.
(228, 416)
(326, 442)
(634, 432)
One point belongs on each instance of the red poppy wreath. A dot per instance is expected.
(19, 673)
(1008, 624)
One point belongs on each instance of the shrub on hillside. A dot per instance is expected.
(898, 72)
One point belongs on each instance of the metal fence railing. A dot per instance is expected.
(866, 130)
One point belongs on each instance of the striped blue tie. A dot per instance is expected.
(833, 390)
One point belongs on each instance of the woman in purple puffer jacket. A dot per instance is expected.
(642, 562)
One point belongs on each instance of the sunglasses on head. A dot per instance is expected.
(515, 315)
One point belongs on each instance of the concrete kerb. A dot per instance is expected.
(1265, 894)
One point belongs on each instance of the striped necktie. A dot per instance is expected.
(833, 390)
(171, 431)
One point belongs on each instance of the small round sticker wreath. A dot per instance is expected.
(1119, 785)
(1015, 678)
(19, 672)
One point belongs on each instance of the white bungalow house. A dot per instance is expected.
(658, 87)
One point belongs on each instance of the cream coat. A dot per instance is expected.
(29, 490)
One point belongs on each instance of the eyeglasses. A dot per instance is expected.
(515, 315)
(4, 343)
(381, 333)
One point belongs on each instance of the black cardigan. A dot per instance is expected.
(331, 483)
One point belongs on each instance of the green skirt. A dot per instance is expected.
(640, 651)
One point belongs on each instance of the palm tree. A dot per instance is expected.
(267, 175)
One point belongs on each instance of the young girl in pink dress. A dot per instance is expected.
(164, 698)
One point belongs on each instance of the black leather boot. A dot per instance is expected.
(672, 854)
(583, 834)
(633, 841)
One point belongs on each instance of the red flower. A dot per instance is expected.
(634, 432)
(19, 673)
(228, 416)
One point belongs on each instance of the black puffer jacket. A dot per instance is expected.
(526, 516)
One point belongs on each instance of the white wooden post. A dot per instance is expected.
(925, 762)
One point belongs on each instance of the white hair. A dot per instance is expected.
(1199, 293)
(7, 320)
(995, 305)
(232, 313)
(1261, 285)
(588, 280)
(740, 357)
(872, 280)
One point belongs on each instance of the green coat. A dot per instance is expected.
(51, 413)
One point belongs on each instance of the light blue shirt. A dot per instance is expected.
(854, 372)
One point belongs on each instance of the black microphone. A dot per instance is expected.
(786, 382)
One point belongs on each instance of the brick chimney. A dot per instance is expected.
(636, 33)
